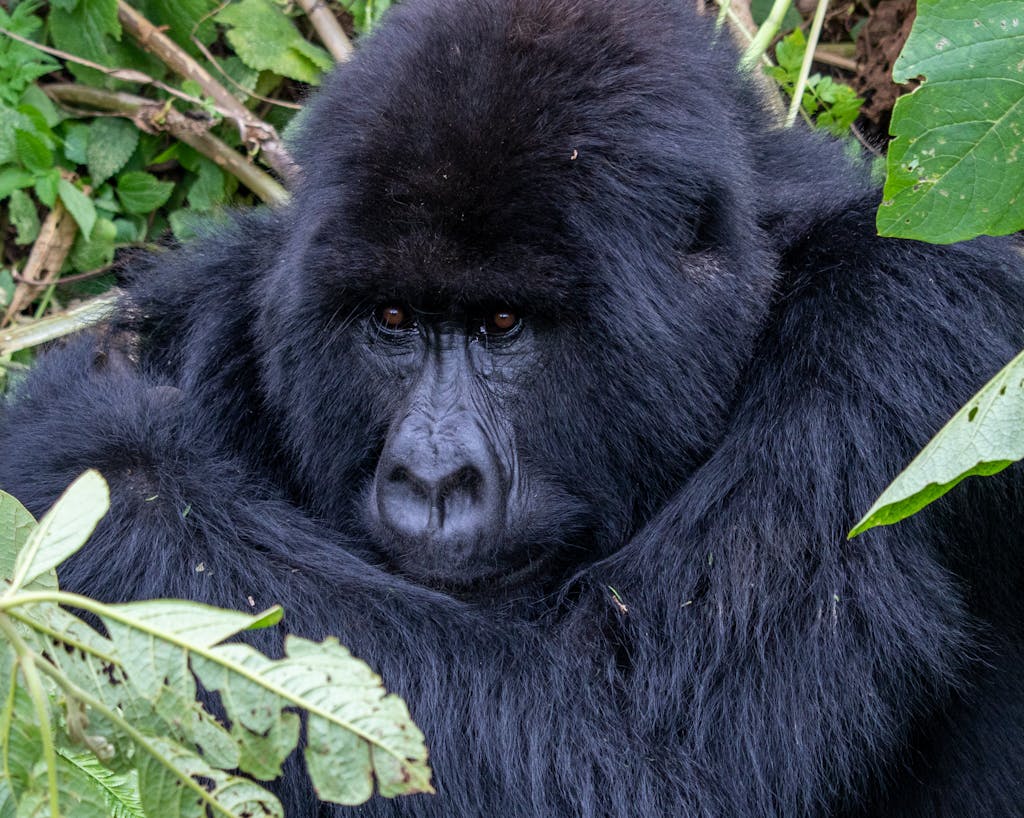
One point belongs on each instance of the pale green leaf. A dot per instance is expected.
(78, 205)
(209, 791)
(983, 438)
(12, 179)
(112, 141)
(63, 529)
(356, 732)
(16, 525)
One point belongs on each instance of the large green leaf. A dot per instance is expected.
(955, 168)
(266, 40)
(355, 731)
(983, 438)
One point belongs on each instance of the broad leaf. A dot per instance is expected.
(266, 40)
(954, 168)
(141, 192)
(983, 438)
(112, 141)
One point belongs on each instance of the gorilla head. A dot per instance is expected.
(483, 269)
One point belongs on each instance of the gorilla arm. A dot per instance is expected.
(797, 665)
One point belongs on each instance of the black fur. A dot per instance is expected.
(730, 367)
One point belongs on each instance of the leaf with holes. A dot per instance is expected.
(956, 166)
(984, 437)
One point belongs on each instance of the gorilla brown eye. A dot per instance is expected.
(395, 316)
(501, 322)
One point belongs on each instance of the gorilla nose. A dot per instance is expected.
(453, 499)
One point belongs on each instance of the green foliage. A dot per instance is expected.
(123, 178)
(266, 40)
(367, 13)
(833, 105)
(97, 725)
(956, 166)
(983, 438)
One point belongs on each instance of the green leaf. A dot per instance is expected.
(12, 179)
(142, 192)
(160, 785)
(355, 731)
(983, 438)
(63, 529)
(265, 39)
(79, 206)
(16, 525)
(179, 18)
(46, 187)
(367, 13)
(120, 793)
(112, 141)
(24, 218)
(955, 168)
(207, 190)
(32, 151)
(96, 250)
(76, 139)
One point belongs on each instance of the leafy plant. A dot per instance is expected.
(983, 438)
(955, 168)
(97, 724)
(833, 105)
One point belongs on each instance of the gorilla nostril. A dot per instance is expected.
(466, 481)
(452, 504)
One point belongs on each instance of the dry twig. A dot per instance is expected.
(254, 131)
(50, 249)
(328, 29)
(153, 116)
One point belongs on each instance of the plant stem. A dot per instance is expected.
(805, 66)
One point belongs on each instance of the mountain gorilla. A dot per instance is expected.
(553, 394)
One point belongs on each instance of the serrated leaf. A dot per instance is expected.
(162, 792)
(983, 438)
(141, 192)
(63, 529)
(208, 189)
(78, 205)
(32, 152)
(112, 141)
(265, 39)
(119, 793)
(356, 732)
(955, 167)
(24, 218)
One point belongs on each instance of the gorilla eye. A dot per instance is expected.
(395, 316)
(501, 322)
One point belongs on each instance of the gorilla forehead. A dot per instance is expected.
(475, 157)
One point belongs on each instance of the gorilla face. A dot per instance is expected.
(483, 320)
